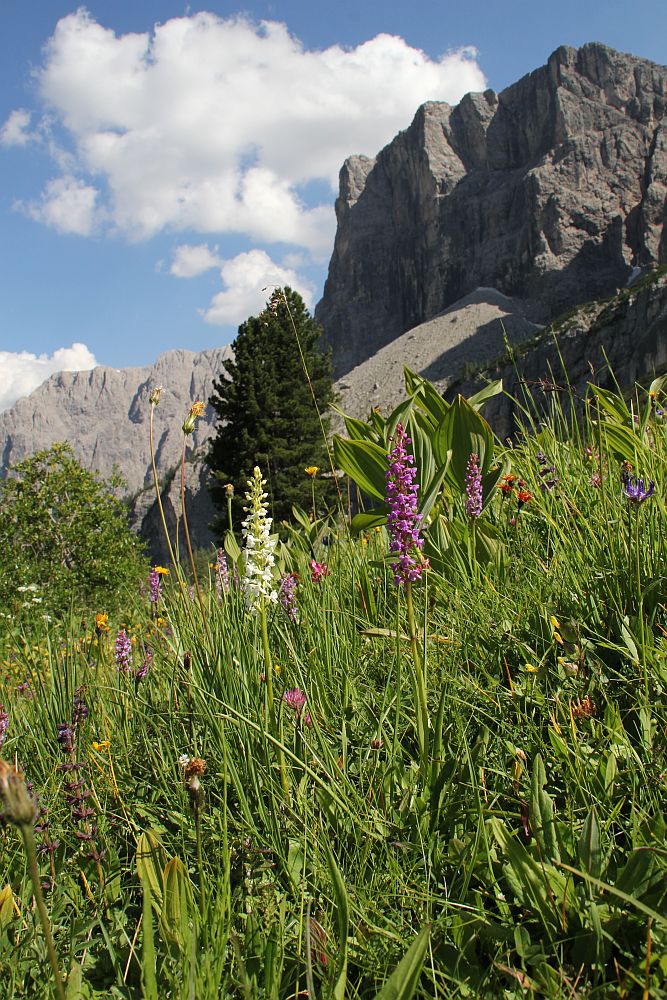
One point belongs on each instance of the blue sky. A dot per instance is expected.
(163, 162)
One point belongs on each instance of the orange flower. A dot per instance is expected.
(523, 496)
(505, 484)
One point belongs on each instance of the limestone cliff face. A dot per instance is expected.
(104, 415)
(551, 192)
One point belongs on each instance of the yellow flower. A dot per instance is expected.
(277, 668)
(102, 623)
(558, 638)
(554, 621)
(102, 745)
(312, 470)
(196, 410)
(531, 669)
(161, 570)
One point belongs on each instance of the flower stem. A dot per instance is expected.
(31, 855)
(157, 493)
(268, 672)
(268, 667)
(419, 678)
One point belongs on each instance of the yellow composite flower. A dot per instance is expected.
(312, 470)
(102, 745)
(102, 622)
(161, 570)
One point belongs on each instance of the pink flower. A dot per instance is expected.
(295, 699)
(318, 571)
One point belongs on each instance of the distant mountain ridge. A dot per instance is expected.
(104, 415)
(551, 192)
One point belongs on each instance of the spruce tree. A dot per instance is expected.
(267, 414)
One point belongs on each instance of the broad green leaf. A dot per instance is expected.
(426, 396)
(589, 845)
(613, 404)
(542, 813)
(488, 543)
(400, 415)
(536, 884)
(403, 981)
(358, 430)
(428, 498)
(6, 907)
(342, 920)
(231, 547)
(366, 520)
(657, 385)
(463, 432)
(151, 861)
(365, 463)
(422, 453)
(479, 398)
(636, 875)
(490, 483)
(176, 906)
(301, 517)
(148, 977)
(622, 441)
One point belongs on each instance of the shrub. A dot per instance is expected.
(64, 537)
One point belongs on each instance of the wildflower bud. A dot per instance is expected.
(196, 411)
(154, 397)
(19, 807)
(192, 772)
(229, 490)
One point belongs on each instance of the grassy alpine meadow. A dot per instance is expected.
(412, 748)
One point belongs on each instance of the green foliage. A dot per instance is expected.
(524, 857)
(443, 436)
(267, 414)
(64, 538)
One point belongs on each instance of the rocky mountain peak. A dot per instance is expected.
(550, 191)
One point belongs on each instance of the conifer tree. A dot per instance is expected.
(267, 414)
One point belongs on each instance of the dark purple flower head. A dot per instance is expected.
(473, 487)
(155, 584)
(146, 665)
(403, 521)
(123, 650)
(80, 712)
(287, 596)
(65, 737)
(634, 490)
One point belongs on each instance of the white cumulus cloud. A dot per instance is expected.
(21, 372)
(15, 131)
(191, 261)
(67, 204)
(217, 125)
(249, 278)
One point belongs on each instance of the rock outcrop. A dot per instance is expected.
(612, 343)
(104, 414)
(551, 192)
